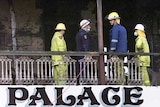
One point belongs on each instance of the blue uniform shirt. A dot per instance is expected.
(118, 39)
(82, 41)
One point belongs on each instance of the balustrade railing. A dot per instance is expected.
(27, 69)
(120, 73)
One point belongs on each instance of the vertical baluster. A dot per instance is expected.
(42, 73)
(6, 70)
(67, 70)
(24, 70)
(10, 71)
(17, 68)
(132, 71)
(20, 71)
(136, 73)
(53, 73)
(74, 72)
(142, 76)
(111, 71)
(84, 70)
(2, 70)
(70, 72)
(52, 69)
(38, 72)
(45, 68)
(129, 72)
(92, 70)
(28, 71)
(96, 74)
(32, 72)
(118, 71)
(108, 71)
(87, 72)
(122, 72)
(81, 72)
(50, 73)
(114, 70)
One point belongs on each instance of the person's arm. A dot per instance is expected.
(139, 45)
(53, 44)
(85, 42)
(114, 39)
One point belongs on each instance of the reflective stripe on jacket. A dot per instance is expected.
(118, 38)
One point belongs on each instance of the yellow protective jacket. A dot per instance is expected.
(58, 44)
(142, 46)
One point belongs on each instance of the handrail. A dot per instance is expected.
(70, 53)
(44, 53)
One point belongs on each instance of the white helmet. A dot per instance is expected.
(139, 26)
(84, 23)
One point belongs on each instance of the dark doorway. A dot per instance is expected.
(65, 11)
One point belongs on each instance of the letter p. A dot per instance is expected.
(13, 97)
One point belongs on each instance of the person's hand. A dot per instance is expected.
(134, 58)
(114, 58)
(140, 49)
(110, 55)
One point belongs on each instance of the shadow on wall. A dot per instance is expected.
(156, 78)
(155, 74)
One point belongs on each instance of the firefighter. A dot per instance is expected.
(82, 42)
(58, 44)
(118, 41)
(118, 34)
(83, 37)
(141, 45)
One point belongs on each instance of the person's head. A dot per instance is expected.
(85, 24)
(61, 28)
(139, 30)
(113, 18)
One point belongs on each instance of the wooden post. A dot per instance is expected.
(13, 31)
(13, 25)
(100, 41)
